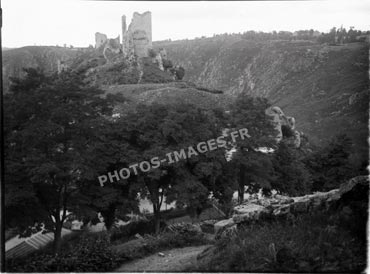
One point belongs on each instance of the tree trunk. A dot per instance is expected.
(57, 237)
(241, 185)
(157, 219)
(157, 199)
(109, 216)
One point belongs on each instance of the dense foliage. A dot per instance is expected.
(292, 177)
(330, 165)
(88, 253)
(53, 143)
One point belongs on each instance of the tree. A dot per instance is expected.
(178, 72)
(255, 172)
(53, 135)
(154, 130)
(290, 174)
(248, 112)
(330, 166)
(167, 64)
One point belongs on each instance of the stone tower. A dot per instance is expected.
(137, 39)
(124, 36)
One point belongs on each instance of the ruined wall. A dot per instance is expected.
(137, 39)
(111, 47)
(100, 39)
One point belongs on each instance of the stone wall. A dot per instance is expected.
(100, 39)
(111, 48)
(279, 206)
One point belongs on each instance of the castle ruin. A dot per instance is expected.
(100, 39)
(136, 38)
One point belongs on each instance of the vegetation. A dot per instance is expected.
(331, 164)
(310, 243)
(94, 252)
(61, 134)
(165, 240)
(324, 87)
(254, 167)
(292, 177)
(152, 73)
(87, 253)
(52, 143)
(154, 130)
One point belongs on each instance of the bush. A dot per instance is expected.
(310, 243)
(167, 64)
(90, 253)
(152, 74)
(127, 232)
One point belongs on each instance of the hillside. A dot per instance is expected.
(324, 87)
(43, 57)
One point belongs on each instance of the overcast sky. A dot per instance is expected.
(74, 22)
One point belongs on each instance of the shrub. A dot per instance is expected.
(152, 53)
(167, 64)
(124, 233)
(152, 74)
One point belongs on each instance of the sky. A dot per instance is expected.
(74, 22)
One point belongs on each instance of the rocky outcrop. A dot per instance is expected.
(223, 224)
(351, 197)
(285, 126)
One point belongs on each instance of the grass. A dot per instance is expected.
(140, 248)
(311, 243)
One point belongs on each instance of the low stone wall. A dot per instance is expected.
(279, 206)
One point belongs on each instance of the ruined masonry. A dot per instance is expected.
(136, 38)
(100, 39)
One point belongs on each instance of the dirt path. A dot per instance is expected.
(174, 260)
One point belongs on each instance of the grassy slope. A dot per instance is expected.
(168, 93)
